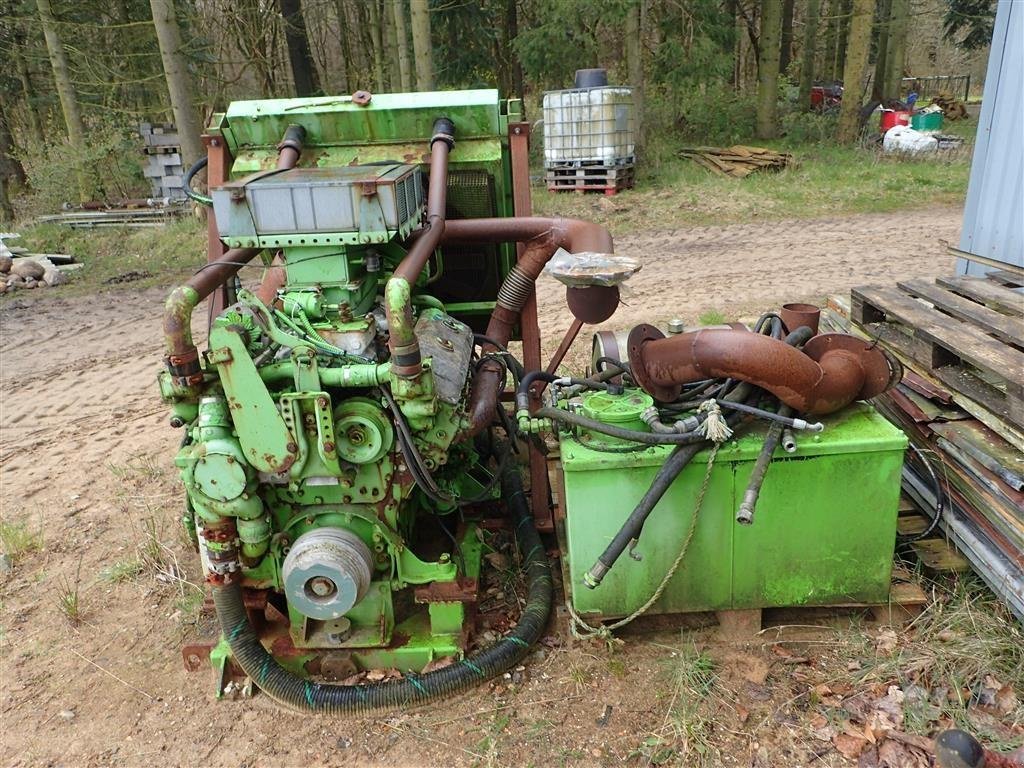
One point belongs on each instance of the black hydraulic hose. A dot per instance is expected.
(633, 435)
(937, 495)
(630, 530)
(186, 184)
(523, 392)
(300, 694)
(745, 513)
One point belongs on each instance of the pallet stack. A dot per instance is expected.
(961, 402)
(164, 169)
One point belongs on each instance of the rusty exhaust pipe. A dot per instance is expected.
(182, 360)
(406, 360)
(831, 371)
(543, 236)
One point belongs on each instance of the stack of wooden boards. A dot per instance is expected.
(961, 401)
(738, 161)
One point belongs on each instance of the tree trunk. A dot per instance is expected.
(786, 51)
(896, 50)
(10, 166)
(6, 211)
(179, 86)
(512, 25)
(35, 121)
(857, 49)
(635, 64)
(65, 92)
(768, 69)
(387, 27)
(878, 82)
(299, 56)
(807, 56)
(421, 44)
(377, 45)
(843, 37)
(402, 43)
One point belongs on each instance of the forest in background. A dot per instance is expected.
(78, 76)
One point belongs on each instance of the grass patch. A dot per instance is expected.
(685, 737)
(826, 181)
(122, 571)
(18, 540)
(68, 599)
(117, 259)
(712, 317)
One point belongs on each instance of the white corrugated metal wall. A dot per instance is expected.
(994, 213)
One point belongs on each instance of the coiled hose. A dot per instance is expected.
(297, 693)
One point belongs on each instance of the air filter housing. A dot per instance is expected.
(320, 206)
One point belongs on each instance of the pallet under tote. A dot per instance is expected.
(607, 178)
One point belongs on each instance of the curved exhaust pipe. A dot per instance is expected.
(182, 360)
(543, 236)
(831, 371)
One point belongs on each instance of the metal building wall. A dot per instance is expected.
(994, 214)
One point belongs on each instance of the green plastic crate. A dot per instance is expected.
(823, 532)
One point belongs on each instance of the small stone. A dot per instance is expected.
(6, 262)
(66, 714)
(54, 277)
(28, 268)
(6, 566)
(3, 288)
(31, 282)
(15, 281)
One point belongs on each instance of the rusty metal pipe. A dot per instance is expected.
(182, 358)
(542, 236)
(831, 371)
(406, 359)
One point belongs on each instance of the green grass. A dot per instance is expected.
(826, 181)
(160, 256)
(123, 570)
(712, 317)
(17, 539)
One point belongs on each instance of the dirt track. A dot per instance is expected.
(85, 457)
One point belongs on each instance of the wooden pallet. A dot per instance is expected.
(607, 178)
(935, 552)
(966, 332)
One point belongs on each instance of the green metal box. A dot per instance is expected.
(823, 532)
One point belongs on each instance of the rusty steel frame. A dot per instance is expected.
(519, 148)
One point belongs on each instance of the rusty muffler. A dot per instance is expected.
(831, 371)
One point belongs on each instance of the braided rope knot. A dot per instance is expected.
(714, 428)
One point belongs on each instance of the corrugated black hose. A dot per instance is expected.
(298, 693)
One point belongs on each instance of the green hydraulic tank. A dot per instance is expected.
(823, 532)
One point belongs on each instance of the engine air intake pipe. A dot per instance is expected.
(304, 695)
(831, 371)
(182, 358)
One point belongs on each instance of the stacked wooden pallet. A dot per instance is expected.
(164, 169)
(738, 162)
(583, 177)
(961, 402)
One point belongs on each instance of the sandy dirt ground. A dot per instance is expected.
(85, 462)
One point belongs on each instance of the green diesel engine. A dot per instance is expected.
(338, 425)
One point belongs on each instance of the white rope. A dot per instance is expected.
(581, 630)
(715, 427)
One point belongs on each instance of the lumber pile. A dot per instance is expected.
(961, 402)
(738, 161)
(952, 108)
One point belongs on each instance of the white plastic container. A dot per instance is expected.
(590, 125)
